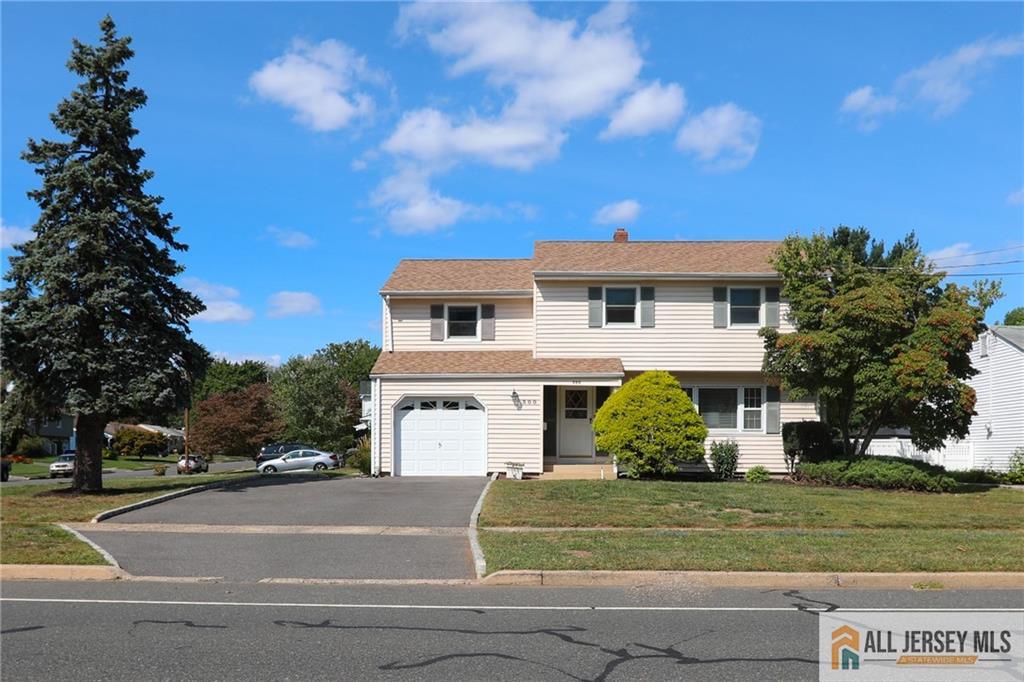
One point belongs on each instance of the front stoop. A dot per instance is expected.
(578, 472)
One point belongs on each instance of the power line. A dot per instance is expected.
(984, 274)
(980, 253)
(949, 267)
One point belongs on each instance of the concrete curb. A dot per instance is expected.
(102, 552)
(59, 572)
(755, 579)
(170, 496)
(479, 562)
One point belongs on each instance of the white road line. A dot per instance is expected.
(465, 607)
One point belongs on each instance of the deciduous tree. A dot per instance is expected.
(224, 376)
(93, 322)
(1015, 318)
(236, 424)
(880, 338)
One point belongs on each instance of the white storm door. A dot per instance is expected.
(575, 428)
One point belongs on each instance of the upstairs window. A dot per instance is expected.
(620, 306)
(463, 321)
(744, 306)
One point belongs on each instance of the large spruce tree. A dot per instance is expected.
(93, 323)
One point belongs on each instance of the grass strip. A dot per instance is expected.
(890, 550)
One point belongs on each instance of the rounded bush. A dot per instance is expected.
(757, 474)
(650, 425)
(33, 446)
(725, 456)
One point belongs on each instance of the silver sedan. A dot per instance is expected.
(300, 460)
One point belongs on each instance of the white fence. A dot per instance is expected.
(954, 456)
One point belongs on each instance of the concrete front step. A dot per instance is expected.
(577, 472)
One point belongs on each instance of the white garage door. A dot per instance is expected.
(440, 437)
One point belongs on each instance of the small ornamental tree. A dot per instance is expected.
(237, 423)
(134, 442)
(650, 425)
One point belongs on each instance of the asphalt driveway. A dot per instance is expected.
(286, 500)
(302, 527)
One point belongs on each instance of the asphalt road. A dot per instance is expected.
(253, 632)
(215, 467)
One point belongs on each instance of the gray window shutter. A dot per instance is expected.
(772, 412)
(595, 306)
(771, 306)
(437, 322)
(487, 322)
(646, 306)
(720, 296)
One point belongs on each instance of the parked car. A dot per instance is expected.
(275, 450)
(5, 469)
(193, 464)
(298, 460)
(64, 465)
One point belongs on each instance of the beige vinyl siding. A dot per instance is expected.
(514, 434)
(998, 385)
(764, 449)
(410, 322)
(683, 339)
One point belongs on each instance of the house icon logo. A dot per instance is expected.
(845, 648)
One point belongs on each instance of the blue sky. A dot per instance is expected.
(305, 148)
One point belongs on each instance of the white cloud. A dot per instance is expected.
(219, 301)
(290, 303)
(291, 239)
(954, 254)
(649, 109)
(1016, 198)
(724, 138)
(619, 213)
(274, 360)
(412, 206)
(869, 106)
(941, 85)
(318, 82)
(11, 235)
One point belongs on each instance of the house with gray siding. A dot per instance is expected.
(491, 361)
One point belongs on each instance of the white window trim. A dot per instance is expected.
(462, 339)
(738, 428)
(636, 308)
(744, 325)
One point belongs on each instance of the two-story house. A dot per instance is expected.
(486, 362)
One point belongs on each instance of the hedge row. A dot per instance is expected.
(877, 472)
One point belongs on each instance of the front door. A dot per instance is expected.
(575, 429)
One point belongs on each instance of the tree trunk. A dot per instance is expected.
(89, 453)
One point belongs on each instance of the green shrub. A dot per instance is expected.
(757, 474)
(724, 458)
(650, 426)
(806, 442)
(977, 476)
(133, 442)
(1015, 474)
(159, 469)
(110, 454)
(359, 457)
(877, 472)
(33, 446)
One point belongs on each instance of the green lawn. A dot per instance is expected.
(40, 465)
(27, 535)
(766, 527)
(672, 504)
(748, 550)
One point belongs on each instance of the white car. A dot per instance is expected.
(298, 460)
(64, 465)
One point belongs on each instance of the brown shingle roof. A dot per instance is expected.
(463, 362)
(707, 257)
(504, 274)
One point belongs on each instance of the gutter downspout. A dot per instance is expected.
(375, 455)
(391, 324)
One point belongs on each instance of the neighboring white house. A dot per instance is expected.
(998, 427)
(489, 361)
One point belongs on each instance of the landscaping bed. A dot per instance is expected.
(778, 526)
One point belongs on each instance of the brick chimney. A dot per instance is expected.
(621, 235)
